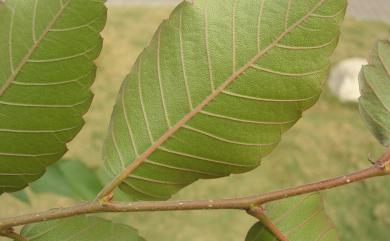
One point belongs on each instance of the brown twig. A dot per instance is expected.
(381, 169)
(10, 233)
(258, 212)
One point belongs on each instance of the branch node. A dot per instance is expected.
(106, 199)
(384, 161)
(10, 233)
(258, 212)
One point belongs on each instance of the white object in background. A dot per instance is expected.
(344, 79)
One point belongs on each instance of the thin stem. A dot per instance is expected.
(9, 233)
(381, 168)
(258, 212)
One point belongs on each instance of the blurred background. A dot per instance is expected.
(330, 140)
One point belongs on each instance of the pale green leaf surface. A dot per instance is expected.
(215, 89)
(375, 90)
(104, 178)
(80, 229)
(299, 219)
(71, 179)
(22, 196)
(47, 50)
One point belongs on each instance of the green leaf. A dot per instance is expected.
(80, 229)
(47, 50)
(68, 178)
(22, 196)
(299, 219)
(215, 89)
(118, 194)
(71, 179)
(375, 91)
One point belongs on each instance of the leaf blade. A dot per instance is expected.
(69, 178)
(178, 101)
(374, 101)
(44, 82)
(300, 218)
(72, 179)
(80, 228)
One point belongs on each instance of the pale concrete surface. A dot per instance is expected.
(370, 9)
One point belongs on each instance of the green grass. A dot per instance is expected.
(330, 140)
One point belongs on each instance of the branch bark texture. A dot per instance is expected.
(381, 168)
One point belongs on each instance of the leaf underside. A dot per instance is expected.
(80, 229)
(65, 178)
(47, 50)
(215, 89)
(299, 219)
(375, 91)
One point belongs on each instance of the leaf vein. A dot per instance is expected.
(34, 35)
(19, 174)
(180, 169)
(204, 159)
(287, 15)
(166, 115)
(87, 25)
(225, 140)
(234, 40)
(44, 105)
(183, 61)
(209, 63)
(248, 121)
(14, 74)
(39, 131)
(77, 80)
(259, 25)
(29, 155)
(307, 47)
(128, 126)
(157, 181)
(323, 234)
(266, 99)
(116, 147)
(10, 40)
(142, 191)
(84, 53)
(141, 99)
(287, 73)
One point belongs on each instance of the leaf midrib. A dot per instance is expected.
(140, 159)
(31, 51)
